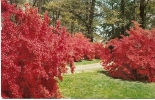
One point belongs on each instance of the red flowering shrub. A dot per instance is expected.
(133, 57)
(98, 50)
(34, 54)
(82, 47)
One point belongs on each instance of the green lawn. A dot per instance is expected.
(95, 84)
(85, 62)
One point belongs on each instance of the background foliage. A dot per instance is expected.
(109, 18)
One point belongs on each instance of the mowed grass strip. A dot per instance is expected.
(85, 62)
(95, 84)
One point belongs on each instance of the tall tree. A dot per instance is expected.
(90, 19)
(142, 12)
(123, 16)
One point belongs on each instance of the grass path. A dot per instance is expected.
(85, 62)
(87, 67)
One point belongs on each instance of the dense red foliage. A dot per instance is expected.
(133, 57)
(34, 54)
(82, 47)
(98, 49)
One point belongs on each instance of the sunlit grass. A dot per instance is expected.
(85, 62)
(95, 84)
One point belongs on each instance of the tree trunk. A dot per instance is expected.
(142, 13)
(53, 18)
(123, 16)
(34, 2)
(72, 27)
(113, 28)
(90, 33)
(135, 6)
(40, 6)
(90, 20)
(87, 10)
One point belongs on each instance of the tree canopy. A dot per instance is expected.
(108, 18)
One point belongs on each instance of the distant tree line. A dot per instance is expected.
(109, 18)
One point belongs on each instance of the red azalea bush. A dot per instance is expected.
(98, 49)
(133, 57)
(34, 54)
(82, 47)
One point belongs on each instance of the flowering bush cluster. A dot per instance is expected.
(98, 49)
(82, 47)
(34, 54)
(133, 57)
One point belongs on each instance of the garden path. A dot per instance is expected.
(88, 67)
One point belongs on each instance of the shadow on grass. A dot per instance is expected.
(140, 80)
(104, 72)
